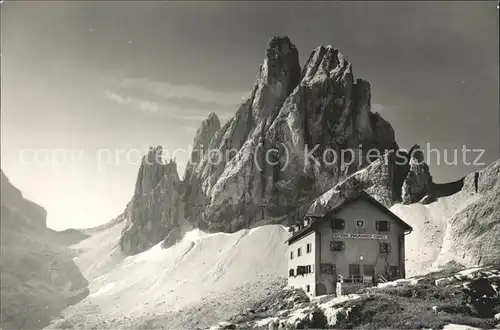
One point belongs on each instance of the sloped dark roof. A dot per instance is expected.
(316, 219)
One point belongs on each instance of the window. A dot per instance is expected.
(338, 224)
(337, 246)
(393, 271)
(385, 247)
(354, 270)
(383, 226)
(299, 252)
(302, 270)
(368, 270)
(291, 254)
(360, 223)
(308, 248)
(308, 288)
(327, 269)
(291, 272)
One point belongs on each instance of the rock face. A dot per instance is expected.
(39, 276)
(418, 181)
(20, 210)
(298, 134)
(204, 134)
(465, 297)
(157, 206)
(194, 197)
(472, 234)
(375, 179)
(297, 119)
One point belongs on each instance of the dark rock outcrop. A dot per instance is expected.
(157, 205)
(375, 179)
(300, 133)
(194, 197)
(24, 212)
(289, 113)
(174, 235)
(472, 234)
(38, 275)
(418, 181)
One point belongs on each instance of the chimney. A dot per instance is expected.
(306, 222)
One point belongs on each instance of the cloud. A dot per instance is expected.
(170, 91)
(166, 109)
(183, 102)
(143, 105)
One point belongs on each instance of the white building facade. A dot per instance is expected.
(361, 240)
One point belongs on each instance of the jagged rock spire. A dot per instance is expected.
(156, 207)
(288, 107)
(281, 64)
(206, 132)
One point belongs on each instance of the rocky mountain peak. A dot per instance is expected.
(418, 181)
(281, 64)
(212, 117)
(156, 207)
(152, 170)
(326, 62)
(279, 74)
(207, 130)
(321, 108)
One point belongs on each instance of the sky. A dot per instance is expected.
(88, 86)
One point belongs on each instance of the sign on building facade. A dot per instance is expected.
(360, 236)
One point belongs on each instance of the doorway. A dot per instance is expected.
(320, 289)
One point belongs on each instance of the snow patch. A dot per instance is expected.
(198, 267)
(459, 327)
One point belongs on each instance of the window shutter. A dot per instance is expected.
(338, 224)
(385, 247)
(327, 268)
(383, 226)
(337, 246)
